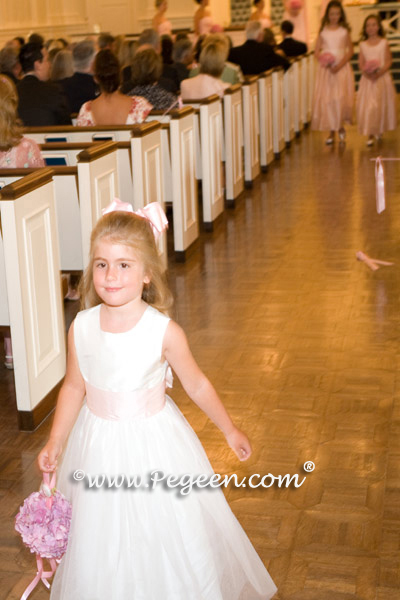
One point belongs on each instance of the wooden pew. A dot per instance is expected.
(81, 193)
(266, 119)
(211, 152)
(288, 105)
(71, 134)
(296, 67)
(141, 170)
(278, 131)
(30, 272)
(233, 138)
(178, 138)
(251, 130)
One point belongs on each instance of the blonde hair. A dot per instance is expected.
(10, 126)
(131, 230)
(213, 57)
(62, 65)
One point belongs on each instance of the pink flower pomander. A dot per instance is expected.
(371, 66)
(326, 59)
(45, 529)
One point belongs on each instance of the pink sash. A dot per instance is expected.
(126, 405)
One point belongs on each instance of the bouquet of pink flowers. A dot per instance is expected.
(371, 66)
(43, 522)
(326, 59)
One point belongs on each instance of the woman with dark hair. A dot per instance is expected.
(146, 70)
(111, 107)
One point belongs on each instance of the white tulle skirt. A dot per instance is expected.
(144, 544)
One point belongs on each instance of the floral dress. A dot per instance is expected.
(138, 112)
(25, 154)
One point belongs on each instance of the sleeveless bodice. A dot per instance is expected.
(374, 52)
(334, 41)
(124, 373)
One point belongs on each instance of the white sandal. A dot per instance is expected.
(9, 362)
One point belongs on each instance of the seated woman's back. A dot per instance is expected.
(114, 108)
(111, 107)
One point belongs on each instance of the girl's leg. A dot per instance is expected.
(370, 140)
(329, 140)
(342, 134)
(9, 363)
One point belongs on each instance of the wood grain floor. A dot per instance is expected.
(302, 342)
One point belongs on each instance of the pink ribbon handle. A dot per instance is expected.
(40, 576)
(380, 186)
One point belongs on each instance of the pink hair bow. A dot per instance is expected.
(152, 212)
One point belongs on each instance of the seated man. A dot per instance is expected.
(40, 101)
(255, 57)
(290, 46)
(81, 87)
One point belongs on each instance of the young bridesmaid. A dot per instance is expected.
(334, 85)
(376, 98)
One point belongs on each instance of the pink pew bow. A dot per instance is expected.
(372, 263)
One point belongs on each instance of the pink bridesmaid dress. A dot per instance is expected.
(333, 100)
(376, 99)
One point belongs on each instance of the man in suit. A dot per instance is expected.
(255, 57)
(290, 46)
(40, 101)
(81, 87)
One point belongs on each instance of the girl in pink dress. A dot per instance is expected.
(376, 98)
(334, 84)
(160, 23)
(296, 13)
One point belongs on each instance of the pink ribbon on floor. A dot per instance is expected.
(153, 212)
(372, 263)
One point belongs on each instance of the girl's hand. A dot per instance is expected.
(239, 443)
(335, 68)
(47, 458)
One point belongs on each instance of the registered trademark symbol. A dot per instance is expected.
(309, 466)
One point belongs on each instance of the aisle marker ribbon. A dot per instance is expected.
(380, 182)
(153, 212)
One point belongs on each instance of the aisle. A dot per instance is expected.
(302, 342)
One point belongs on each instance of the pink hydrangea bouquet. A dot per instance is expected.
(43, 522)
(371, 66)
(326, 59)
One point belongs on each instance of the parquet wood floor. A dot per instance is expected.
(302, 342)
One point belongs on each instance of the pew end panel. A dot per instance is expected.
(32, 266)
(288, 105)
(184, 185)
(278, 111)
(98, 186)
(233, 131)
(148, 171)
(251, 130)
(266, 119)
